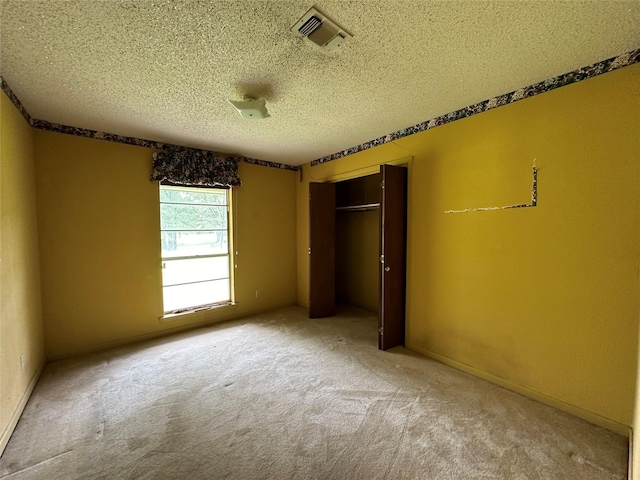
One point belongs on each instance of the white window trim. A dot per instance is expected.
(231, 234)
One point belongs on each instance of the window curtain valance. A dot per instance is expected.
(191, 167)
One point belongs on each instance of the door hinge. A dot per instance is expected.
(382, 185)
(382, 259)
(380, 330)
(309, 250)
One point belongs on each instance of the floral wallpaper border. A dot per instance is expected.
(267, 163)
(613, 63)
(84, 132)
(110, 137)
(578, 75)
(14, 99)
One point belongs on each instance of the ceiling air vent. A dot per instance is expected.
(320, 30)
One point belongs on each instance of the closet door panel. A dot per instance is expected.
(322, 250)
(393, 227)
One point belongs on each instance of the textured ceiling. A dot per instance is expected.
(163, 70)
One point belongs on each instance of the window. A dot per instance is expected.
(194, 225)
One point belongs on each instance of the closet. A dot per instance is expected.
(357, 248)
(357, 241)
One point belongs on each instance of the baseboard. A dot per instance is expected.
(17, 413)
(591, 417)
(165, 332)
(99, 347)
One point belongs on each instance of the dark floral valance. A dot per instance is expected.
(188, 166)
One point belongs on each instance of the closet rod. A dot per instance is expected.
(358, 208)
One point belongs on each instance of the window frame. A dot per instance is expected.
(230, 254)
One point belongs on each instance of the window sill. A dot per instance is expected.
(221, 307)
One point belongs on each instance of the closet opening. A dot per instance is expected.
(357, 241)
(357, 248)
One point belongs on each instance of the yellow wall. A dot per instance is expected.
(542, 300)
(357, 246)
(99, 224)
(20, 310)
(634, 473)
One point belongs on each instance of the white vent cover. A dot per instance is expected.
(318, 29)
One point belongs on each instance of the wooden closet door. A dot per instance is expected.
(393, 240)
(322, 250)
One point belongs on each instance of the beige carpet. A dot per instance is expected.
(279, 396)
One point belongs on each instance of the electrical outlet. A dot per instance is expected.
(22, 362)
(257, 293)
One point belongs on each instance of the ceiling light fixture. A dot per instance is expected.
(251, 108)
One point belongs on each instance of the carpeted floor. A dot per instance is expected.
(279, 396)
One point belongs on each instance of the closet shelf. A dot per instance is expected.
(359, 208)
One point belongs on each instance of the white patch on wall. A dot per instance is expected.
(534, 198)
